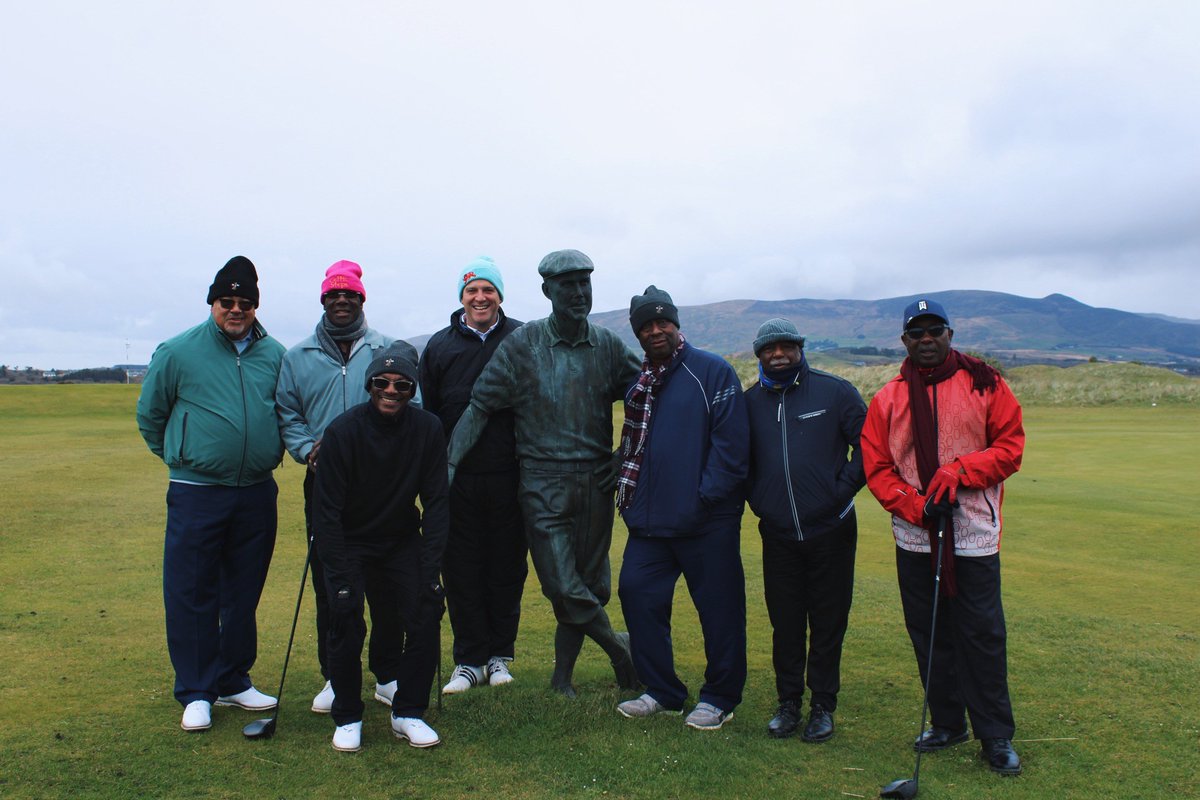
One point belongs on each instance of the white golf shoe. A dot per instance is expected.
(197, 716)
(251, 700)
(323, 702)
(497, 671)
(415, 731)
(463, 678)
(384, 692)
(348, 738)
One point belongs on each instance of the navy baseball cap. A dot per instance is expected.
(921, 308)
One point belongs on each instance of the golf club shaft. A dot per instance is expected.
(295, 618)
(937, 592)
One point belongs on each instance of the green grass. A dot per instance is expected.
(1101, 553)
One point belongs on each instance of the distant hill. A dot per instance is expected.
(1053, 329)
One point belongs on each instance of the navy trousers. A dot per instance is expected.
(388, 574)
(485, 565)
(808, 587)
(219, 541)
(383, 653)
(712, 566)
(970, 658)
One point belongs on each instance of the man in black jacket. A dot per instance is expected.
(485, 566)
(376, 460)
(803, 425)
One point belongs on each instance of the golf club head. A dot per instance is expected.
(905, 788)
(260, 729)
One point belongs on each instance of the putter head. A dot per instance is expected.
(904, 788)
(260, 729)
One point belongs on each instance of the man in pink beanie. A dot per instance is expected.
(322, 377)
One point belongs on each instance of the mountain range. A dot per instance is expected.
(1053, 329)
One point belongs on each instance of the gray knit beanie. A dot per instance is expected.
(776, 330)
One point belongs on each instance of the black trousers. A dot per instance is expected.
(485, 566)
(809, 587)
(390, 578)
(970, 659)
(383, 654)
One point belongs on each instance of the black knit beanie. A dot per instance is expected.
(653, 303)
(237, 278)
(399, 357)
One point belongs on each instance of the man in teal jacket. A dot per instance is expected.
(207, 409)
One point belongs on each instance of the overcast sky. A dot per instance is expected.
(766, 150)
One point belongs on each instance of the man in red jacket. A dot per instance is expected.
(938, 443)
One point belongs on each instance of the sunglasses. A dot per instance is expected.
(228, 303)
(341, 295)
(403, 385)
(935, 331)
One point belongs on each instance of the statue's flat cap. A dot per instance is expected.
(560, 262)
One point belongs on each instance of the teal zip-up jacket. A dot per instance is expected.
(315, 388)
(208, 412)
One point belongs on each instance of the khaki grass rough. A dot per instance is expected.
(1101, 551)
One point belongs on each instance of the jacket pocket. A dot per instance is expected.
(179, 460)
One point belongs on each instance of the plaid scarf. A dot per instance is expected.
(636, 429)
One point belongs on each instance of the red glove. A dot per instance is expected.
(944, 484)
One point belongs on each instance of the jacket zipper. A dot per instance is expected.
(781, 418)
(245, 418)
(183, 440)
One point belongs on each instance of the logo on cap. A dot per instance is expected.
(922, 305)
(234, 285)
(658, 309)
(470, 276)
(387, 362)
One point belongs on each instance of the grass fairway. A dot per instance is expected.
(1101, 557)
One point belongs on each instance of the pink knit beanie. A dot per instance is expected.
(344, 276)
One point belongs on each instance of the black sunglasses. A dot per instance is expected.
(228, 303)
(341, 295)
(935, 331)
(403, 385)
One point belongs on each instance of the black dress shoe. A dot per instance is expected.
(1000, 756)
(938, 738)
(785, 721)
(820, 725)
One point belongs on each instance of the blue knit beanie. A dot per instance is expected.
(481, 269)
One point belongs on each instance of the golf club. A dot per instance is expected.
(265, 728)
(438, 687)
(907, 787)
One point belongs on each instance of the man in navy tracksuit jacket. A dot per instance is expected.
(685, 456)
(805, 468)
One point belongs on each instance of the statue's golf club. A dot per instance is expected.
(265, 728)
(906, 788)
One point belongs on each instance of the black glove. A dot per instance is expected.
(939, 509)
(432, 604)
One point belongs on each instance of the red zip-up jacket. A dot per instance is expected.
(981, 431)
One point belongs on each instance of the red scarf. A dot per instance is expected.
(925, 438)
